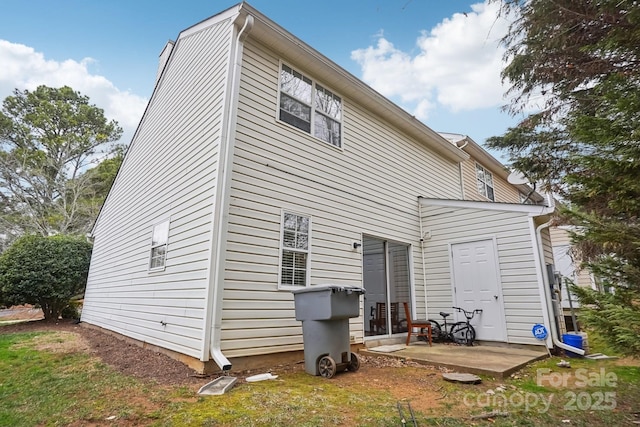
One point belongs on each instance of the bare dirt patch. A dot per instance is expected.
(405, 380)
(59, 342)
(127, 358)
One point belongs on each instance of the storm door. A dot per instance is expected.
(387, 284)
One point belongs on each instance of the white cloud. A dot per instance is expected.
(24, 68)
(457, 66)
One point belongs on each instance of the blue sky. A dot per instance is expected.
(437, 59)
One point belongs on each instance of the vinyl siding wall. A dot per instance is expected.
(559, 236)
(521, 296)
(547, 248)
(169, 172)
(368, 187)
(503, 191)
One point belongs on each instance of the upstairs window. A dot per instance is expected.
(310, 107)
(159, 241)
(294, 252)
(485, 182)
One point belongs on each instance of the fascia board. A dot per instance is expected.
(230, 13)
(530, 210)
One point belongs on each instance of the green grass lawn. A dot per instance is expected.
(60, 388)
(40, 387)
(589, 393)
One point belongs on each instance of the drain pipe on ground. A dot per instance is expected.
(547, 292)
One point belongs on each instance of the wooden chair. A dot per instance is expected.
(421, 324)
(379, 320)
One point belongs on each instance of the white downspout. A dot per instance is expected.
(549, 314)
(221, 204)
(461, 180)
(466, 142)
(424, 267)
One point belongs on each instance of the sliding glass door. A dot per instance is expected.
(387, 280)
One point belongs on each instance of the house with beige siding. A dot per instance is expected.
(259, 167)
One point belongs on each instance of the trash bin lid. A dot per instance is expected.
(331, 287)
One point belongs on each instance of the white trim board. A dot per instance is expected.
(532, 210)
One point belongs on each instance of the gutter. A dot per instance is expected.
(549, 315)
(213, 305)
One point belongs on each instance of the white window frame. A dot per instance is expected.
(311, 105)
(295, 250)
(483, 181)
(159, 232)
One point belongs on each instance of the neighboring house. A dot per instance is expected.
(260, 167)
(569, 268)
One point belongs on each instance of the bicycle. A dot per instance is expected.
(459, 332)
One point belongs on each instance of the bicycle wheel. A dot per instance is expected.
(463, 333)
(469, 335)
(436, 332)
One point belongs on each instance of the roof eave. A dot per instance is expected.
(530, 210)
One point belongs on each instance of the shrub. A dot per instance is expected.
(71, 311)
(44, 271)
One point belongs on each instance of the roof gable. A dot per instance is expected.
(285, 44)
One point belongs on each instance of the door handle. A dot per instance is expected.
(495, 296)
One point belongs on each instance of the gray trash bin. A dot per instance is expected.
(325, 311)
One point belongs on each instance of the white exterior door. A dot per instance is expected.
(476, 284)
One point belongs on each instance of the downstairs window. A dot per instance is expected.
(294, 250)
(159, 241)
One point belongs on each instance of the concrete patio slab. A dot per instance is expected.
(484, 359)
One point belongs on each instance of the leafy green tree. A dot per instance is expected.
(95, 185)
(44, 271)
(580, 61)
(48, 139)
